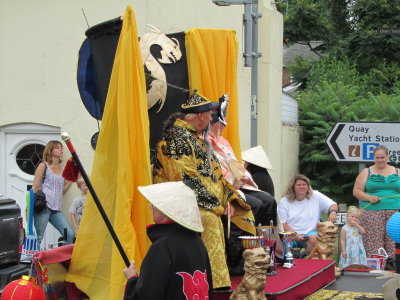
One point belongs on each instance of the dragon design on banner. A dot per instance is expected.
(170, 53)
(164, 64)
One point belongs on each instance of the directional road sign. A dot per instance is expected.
(355, 141)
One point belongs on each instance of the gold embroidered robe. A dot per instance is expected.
(182, 155)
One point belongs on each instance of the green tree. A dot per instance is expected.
(320, 109)
(345, 29)
(364, 45)
(356, 78)
(339, 15)
(337, 92)
(306, 22)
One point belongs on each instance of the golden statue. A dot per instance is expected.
(256, 262)
(325, 241)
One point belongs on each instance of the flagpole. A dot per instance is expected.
(66, 138)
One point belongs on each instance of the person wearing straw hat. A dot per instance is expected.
(181, 154)
(177, 264)
(258, 164)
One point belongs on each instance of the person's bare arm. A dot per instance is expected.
(37, 180)
(333, 209)
(287, 227)
(67, 185)
(360, 228)
(131, 270)
(238, 184)
(231, 210)
(299, 236)
(359, 188)
(343, 242)
(74, 222)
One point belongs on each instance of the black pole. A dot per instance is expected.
(67, 140)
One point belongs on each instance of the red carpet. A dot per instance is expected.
(305, 278)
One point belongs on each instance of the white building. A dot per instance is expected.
(39, 97)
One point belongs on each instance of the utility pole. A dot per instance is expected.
(251, 55)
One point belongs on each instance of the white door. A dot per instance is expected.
(21, 148)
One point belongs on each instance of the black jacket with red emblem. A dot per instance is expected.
(176, 267)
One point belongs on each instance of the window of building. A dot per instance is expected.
(29, 157)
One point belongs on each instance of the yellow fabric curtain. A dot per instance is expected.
(212, 66)
(121, 163)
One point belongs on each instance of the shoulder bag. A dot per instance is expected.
(40, 196)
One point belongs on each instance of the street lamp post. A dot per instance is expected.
(250, 54)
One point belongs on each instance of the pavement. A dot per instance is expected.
(363, 282)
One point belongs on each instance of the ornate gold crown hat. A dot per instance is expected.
(197, 103)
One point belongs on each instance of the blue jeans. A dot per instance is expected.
(57, 219)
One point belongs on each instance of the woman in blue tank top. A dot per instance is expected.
(378, 189)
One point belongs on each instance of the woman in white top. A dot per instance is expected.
(300, 211)
(53, 186)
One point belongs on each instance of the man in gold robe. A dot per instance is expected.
(182, 155)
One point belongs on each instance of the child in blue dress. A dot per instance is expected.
(353, 251)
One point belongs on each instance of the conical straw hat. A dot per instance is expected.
(258, 157)
(175, 200)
